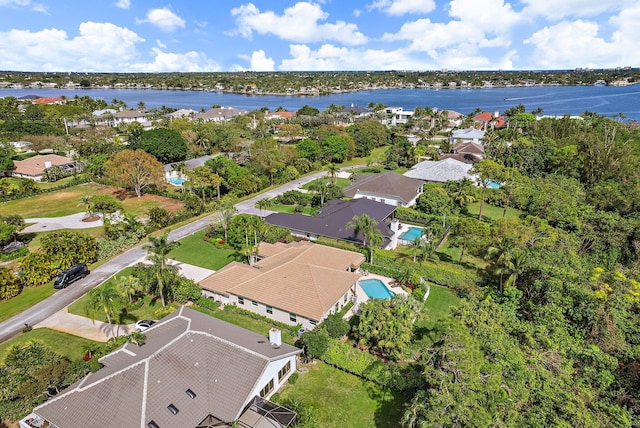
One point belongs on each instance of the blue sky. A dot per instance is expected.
(283, 35)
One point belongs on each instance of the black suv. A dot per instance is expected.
(71, 275)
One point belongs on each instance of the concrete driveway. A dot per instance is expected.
(84, 327)
(73, 221)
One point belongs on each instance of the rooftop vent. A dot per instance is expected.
(152, 424)
(173, 409)
(190, 393)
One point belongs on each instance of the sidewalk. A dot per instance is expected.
(73, 221)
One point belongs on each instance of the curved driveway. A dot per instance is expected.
(63, 298)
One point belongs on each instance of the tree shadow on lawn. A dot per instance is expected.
(390, 405)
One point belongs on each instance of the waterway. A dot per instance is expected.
(553, 100)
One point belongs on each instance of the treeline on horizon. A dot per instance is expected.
(282, 81)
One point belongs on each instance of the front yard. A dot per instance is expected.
(196, 251)
(67, 345)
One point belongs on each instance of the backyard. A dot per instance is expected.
(196, 251)
(339, 399)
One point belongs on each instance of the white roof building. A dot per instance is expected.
(441, 171)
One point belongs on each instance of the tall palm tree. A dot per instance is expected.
(264, 204)
(369, 228)
(103, 299)
(158, 249)
(227, 211)
(127, 286)
(319, 187)
(333, 170)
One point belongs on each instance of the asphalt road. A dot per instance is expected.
(63, 298)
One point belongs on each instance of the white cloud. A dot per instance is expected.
(554, 10)
(302, 22)
(36, 7)
(160, 44)
(123, 4)
(260, 62)
(578, 44)
(489, 16)
(168, 61)
(403, 7)
(164, 19)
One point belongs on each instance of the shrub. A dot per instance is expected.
(336, 326)
(292, 379)
(163, 312)
(187, 290)
(207, 303)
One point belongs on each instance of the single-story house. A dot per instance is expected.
(466, 135)
(192, 371)
(183, 112)
(219, 114)
(279, 115)
(441, 171)
(332, 219)
(34, 167)
(296, 283)
(130, 116)
(389, 187)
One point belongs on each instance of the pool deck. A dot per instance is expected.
(361, 296)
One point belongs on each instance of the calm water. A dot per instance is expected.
(374, 288)
(554, 100)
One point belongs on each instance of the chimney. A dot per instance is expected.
(47, 164)
(275, 337)
(496, 114)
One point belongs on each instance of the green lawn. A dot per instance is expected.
(67, 201)
(343, 400)
(440, 301)
(491, 211)
(63, 344)
(196, 251)
(146, 311)
(23, 301)
(256, 325)
(291, 209)
(340, 182)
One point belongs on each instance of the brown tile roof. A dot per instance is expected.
(385, 184)
(47, 100)
(221, 363)
(35, 165)
(304, 278)
(470, 147)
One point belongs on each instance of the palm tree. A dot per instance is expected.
(319, 187)
(86, 200)
(516, 265)
(333, 170)
(264, 203)
(369, 228)
(127, 286)
(353, 176)
(227, 211)
(105, 299)
(158, 249)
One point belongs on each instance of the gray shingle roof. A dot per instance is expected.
(221, 363)
(385, 184)
(333, 218)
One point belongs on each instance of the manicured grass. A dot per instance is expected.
(340, 182)
(452, 255)
(256, 325)
(343, 400)
(63, 344)
(491, 211)
(146, 311)
(95, 232)
(440, 301)
(291, 209)
(23, 301)
(196, 251)
(67, 201)
(61, 182)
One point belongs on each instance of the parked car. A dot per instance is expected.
(71, 275)
(142, 325)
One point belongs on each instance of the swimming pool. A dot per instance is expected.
(375, 289)
(411, 234)
(176, 181)
(492, 184)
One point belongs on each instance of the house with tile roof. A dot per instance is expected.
(219, 114)
(466, 135)
(130, 116)
(192, 371)
(389, 187)
(296, 283)
(332, 219)
(487, 120)
(34, 167)
(441, 171)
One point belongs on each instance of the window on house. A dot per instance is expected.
(254, 303)
(345, 298)
(173, 409)
(313, 322)
(284, 371)
(292, 317)
(267, 389)
(241, 300)
(269, 309)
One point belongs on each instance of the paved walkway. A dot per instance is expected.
(73, 221)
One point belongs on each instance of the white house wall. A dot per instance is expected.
(271, 372)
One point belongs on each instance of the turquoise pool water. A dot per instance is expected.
(375, 289)
(411, 234)
(176, 181)
(492, 184)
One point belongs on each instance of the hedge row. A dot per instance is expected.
(367, 366)
(447, 275)
(78, 180)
